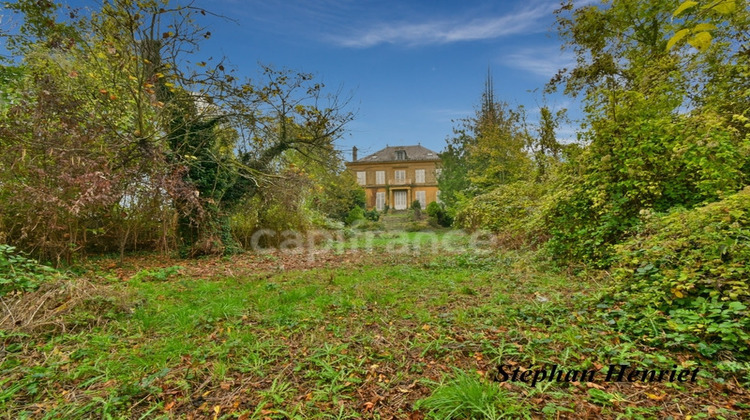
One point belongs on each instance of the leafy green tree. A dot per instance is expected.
(336, 192)
(497, 155)
(547, 151)
(655, 136)
(487, 150)
(453, 181)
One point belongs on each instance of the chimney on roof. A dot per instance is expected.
(354, 154)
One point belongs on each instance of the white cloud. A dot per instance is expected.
(546, 61)
(447, 31)
(567, 133)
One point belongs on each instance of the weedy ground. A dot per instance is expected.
(340, 334)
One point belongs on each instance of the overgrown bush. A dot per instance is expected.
(320, 221)
(372, 215)
(507, 210)
(438, 214)
(273, 209)
(245, 221)
(648, 161)
(337, 194)
(355, 214)
(683, 280)
(18, 273)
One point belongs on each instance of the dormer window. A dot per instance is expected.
(400, 155)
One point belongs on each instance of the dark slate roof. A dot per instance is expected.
(412, 153)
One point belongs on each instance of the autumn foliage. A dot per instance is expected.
(113, 140)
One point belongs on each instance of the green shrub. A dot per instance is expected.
(245, 221)
(683, 280)
(438, 215)
(649, 160)
(357, 213)
(320, 221)
(336, 194)
(277, 214)
(433, 209)
(504, 209)
(18, 273)
(372, 215)
(508, 211)
(581, 234)
(280, 217)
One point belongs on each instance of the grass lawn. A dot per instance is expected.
(406, 334)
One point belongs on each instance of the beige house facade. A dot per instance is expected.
(398, 175)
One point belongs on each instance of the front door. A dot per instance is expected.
(399, 198)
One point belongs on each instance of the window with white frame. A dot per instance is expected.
(437, 173)
(380, 201)
(419, 176)
(380, 177)
(422, 198)
(362, 178)
(400, 176)
(437, 196)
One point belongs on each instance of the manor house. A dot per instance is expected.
(398, 175)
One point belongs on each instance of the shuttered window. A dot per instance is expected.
(419, 176)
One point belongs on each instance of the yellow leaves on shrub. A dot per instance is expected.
(684, 6)
(682, 33)
(724, 7)
(700, 41)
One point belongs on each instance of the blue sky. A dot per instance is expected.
(411, 67)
